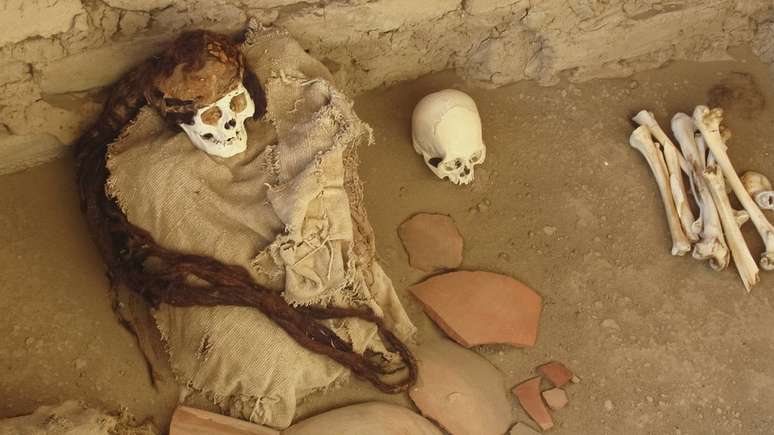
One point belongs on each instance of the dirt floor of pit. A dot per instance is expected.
(662, 344)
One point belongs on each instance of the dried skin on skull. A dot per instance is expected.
(446, 131)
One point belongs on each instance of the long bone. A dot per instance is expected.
(744, 261)
(643, 142)
(673, 159)
(708, 122)
(742, 217)
(712, 245)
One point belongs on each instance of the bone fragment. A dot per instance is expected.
(672, 158)
(759, 187)
(708, 122)
(643, 142)
(744, 261)
(711, 245)
(742, 217)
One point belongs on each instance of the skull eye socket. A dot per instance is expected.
(239, 103)
(211, 115)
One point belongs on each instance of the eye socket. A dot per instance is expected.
(239, 103)
(211, 115)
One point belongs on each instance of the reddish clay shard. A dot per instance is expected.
(528, 393)
(371, 418)
(192, 421)
(481, 308)
(556, 373)
(555, 398)
(522, 429)
(432, 242)
(460, 390)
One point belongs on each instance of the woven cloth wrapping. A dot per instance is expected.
(289, 210)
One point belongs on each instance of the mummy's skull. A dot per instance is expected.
(219, 128)
(446, 131)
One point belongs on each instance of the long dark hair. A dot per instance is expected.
(126, 247)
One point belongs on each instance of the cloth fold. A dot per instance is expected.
(289, 210)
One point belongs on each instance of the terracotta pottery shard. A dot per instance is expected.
(191, 421)
(528, 393)
(556, 373)
(481, 308)
(522, 429)
(432, 242)
(372, 418)
(555, 398)
(460, 390)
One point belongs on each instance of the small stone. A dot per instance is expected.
(634, 84)
(608, 405)
(80, 364)
(549, 230)
(29, 341)
(610, 323)
(555, 398)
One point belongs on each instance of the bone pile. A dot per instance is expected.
(715, 234)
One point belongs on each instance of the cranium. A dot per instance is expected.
(219, 128)
(446, 131)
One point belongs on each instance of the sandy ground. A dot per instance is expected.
(663, 344)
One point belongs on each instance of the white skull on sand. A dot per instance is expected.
(446, 131)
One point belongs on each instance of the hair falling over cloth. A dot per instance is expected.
(164, 276)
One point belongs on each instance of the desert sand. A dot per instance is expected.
(662, 344)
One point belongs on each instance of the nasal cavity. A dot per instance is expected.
(231, 124)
